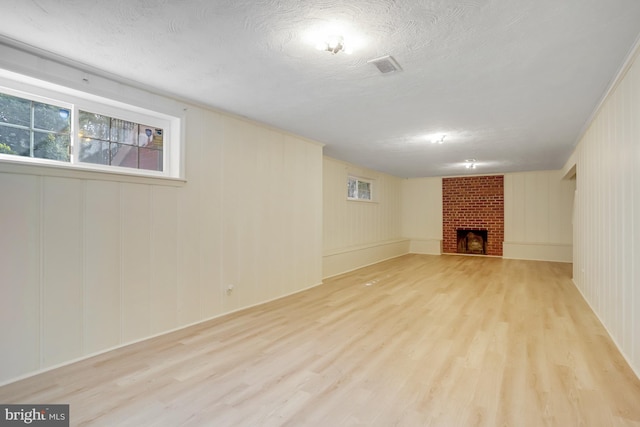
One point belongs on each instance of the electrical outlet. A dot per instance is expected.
(230, 289)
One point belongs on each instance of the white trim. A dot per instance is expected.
(42, 91)
(426, 246)
(359, 180)
(179, 328)
(604, 326)
(352, 258)
(60, 169)
(554, 252)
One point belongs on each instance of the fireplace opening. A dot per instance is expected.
(472, 242)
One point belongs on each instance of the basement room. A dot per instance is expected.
(283, 213)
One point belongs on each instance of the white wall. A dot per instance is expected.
(90, 262)
(607, 215)
(422, 214)
(538, 211)
(359, 233)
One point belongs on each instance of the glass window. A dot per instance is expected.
(86, 133)
(359, 189)
(110, 141)
(34, 129)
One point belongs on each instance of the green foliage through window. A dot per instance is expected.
(34, 129)
(30, 128)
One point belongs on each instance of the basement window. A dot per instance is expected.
(66, 130)
(359, 189)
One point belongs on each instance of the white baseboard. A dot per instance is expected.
(426, 246)
(537, 251)
(635, 369)
(349, 259)
(6, 381)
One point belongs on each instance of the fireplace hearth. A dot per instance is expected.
(472, 242)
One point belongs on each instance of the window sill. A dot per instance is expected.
(78, 172)
(362, 201)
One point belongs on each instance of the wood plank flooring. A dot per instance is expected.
(417, 340)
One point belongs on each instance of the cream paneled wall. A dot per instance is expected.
(422, 214)
(538, 215)
(359, 233)
(607, 214)
(89, 263)
(538, 212)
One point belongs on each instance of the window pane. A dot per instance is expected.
(50, 117)
(351, 188)
(123, 131)
(94, 151)
(150, 137)
(16, 111)
(150, 159)
(124, 155)
(364, 190)
(14, 141)
(94, 126)
(51, 146)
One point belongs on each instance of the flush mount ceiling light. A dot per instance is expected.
(438, 139)
(470, 163)
(333, 44)
(333, 37)
(434, 138)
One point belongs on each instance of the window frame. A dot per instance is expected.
(358, 180)
(75, 100)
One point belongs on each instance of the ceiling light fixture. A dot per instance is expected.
(438, 139)
(333, 44)
(470, 163)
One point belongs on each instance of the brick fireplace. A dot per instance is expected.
(475, 205)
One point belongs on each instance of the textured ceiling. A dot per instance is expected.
(510, 82)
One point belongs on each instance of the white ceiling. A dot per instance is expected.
(511, 83)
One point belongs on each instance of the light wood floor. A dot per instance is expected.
(418, 340)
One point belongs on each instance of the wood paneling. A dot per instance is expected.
(538, 210)
(135, 258)
(607, 207)
(20, 278)
(102, 322)
(164, 254)
(538, 207)
(205, 163)
(93, 264)
(63, 270)
(353, 224)
(422, 209)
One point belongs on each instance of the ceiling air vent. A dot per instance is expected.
(386, 64)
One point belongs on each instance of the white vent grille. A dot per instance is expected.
(385, 64)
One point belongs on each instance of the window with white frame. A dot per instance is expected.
(34, 129)
(359, 189)
(87, 134)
